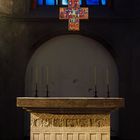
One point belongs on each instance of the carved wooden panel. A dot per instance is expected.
(69, 136)
(93, 136)
(70, 127)
(81, 136)
(104, 136)
(49, 120)
(58, 136)
(36, 136)
(47, 136)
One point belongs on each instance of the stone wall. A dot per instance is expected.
(14, 7)
(6, 6)
(20, 37)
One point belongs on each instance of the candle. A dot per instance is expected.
(47, 75)
(95, 75)
(107, 76)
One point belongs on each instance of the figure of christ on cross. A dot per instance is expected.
(73, 13)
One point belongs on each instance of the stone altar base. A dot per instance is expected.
(70, 127)
(69, 118)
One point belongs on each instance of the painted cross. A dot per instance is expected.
(73, 13)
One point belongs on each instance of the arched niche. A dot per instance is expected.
(72, 65)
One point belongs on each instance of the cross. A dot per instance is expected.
(73, 13)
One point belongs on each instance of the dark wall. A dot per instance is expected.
(13, 59)
(21, 35)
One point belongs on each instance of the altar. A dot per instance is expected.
(69, 118)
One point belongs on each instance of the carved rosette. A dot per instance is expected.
(55, 120)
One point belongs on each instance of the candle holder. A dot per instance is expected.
(95, 92)
(36, 91)
(47, 90)
(108, 91)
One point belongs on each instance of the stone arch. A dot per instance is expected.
(79, 53)
(75, 64)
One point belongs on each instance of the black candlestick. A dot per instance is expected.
(36, 91)
(47, 90)
(95, 92)
(108, 91)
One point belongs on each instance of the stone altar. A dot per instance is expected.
(69, 118)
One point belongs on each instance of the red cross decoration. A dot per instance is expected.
(73, 13)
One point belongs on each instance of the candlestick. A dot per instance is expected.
(47, 91)
(107, 76)
(47, 75)
(95, 91)
(108, 91)
(36, 75)
(31, 80)
(36, 91)
(95, 75)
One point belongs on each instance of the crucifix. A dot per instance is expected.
(73, 13)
